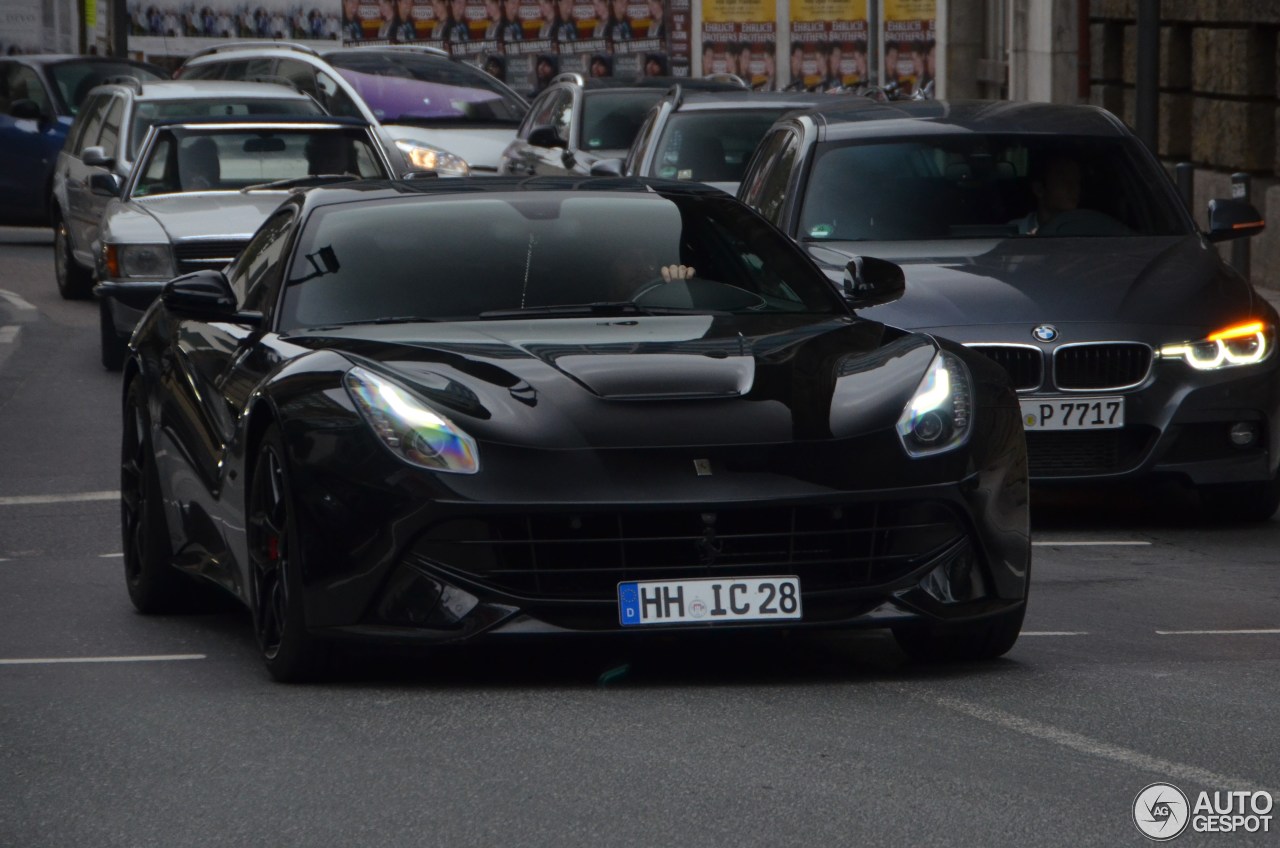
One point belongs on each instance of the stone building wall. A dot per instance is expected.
(1219, 98)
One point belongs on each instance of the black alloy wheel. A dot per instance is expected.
(74, 281)
(290, 653)
(971, 641)
(155, 586)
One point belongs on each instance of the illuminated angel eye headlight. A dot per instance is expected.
(410, 428)
(1241, 344)
(940, 414)
(150, 261)
(424, 157)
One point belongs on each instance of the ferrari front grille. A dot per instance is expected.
(584, 555)
(1101, 367)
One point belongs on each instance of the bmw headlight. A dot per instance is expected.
(142, 261)
(410, 428)
(424, 157)
(1241, 344)
(940, 415)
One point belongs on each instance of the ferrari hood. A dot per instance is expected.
(211, 214)
(1169, 281)
(578, 381)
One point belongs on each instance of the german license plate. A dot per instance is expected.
(1081, 413)
(708, 601)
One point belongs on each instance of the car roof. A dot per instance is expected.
(387, 189)
(210, 89)
(859, 118)
(702, 100)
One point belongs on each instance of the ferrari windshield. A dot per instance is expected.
(532, 254)
(416, 88)
(986, 186)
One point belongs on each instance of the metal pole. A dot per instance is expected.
(1185, 174)
(1241, 188)
(1148, 90)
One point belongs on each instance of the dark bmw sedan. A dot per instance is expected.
(437, 411)
(1047, 237)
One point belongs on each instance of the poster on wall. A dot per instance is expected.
(286, 19)
(828, 44)
(20, 28)
(910, 36)
(739, 37)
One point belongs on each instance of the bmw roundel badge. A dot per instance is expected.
(1045, 333)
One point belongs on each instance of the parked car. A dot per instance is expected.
(433, 113)
(436, 411)
(1051, 239)
(104, 141)
(707, 136)
(39, 97)
(197, 194)
(576, 122)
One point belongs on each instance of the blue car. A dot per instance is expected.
(39, 96)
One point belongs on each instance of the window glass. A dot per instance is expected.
(334, 99)
(403, 86)
(710, 146)
(299, 74)
(638, 147)
(773, 193)
(360, 262)
(18, 82)
(93, 126)
(73, 79)
(255, 278)
(149, 112)
(611, 119)
(985, 186)
(109, 137)
(75, 137)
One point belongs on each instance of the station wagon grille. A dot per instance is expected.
(199, 255)
(1111, 365)
(1025, 365)
(583, 556)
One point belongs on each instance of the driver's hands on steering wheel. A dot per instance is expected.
(676, 272)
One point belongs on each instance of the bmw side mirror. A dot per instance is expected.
(545, 137)
(97, 157)
(870, 282)
(607, 168)
(1232, 218)
(104, 185)
(26, 110)
(207, 296)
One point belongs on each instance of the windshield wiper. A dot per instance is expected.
(292, 182)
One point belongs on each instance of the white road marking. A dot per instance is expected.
(1085, 544)
(1095, 747)
(152, 658)
(1053, 633)
(16, 300)
(24, 500)
(108, 556)
(9, 333)
(1243, 632)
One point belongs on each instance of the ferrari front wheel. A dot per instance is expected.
(289, 652)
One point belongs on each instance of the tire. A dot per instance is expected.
(1241, 502)
(74, 281)
(112, 348)
(982, 640)
(155, 585)
(290, 653)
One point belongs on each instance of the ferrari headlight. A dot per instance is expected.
(940, 415)
(410, 428)
(1240, 344)
(424, 157)
(143, 261)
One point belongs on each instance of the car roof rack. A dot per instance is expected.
(254, 45)
(571, 77)
(124, 79)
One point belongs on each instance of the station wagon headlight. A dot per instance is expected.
(1241, 344)
(940, 415)
(411, 429)
(424, 157)
(142, 261)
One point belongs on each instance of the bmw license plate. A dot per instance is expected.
(708, 601)
(1081, 413)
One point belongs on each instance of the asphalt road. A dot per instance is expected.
(1151, 654)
